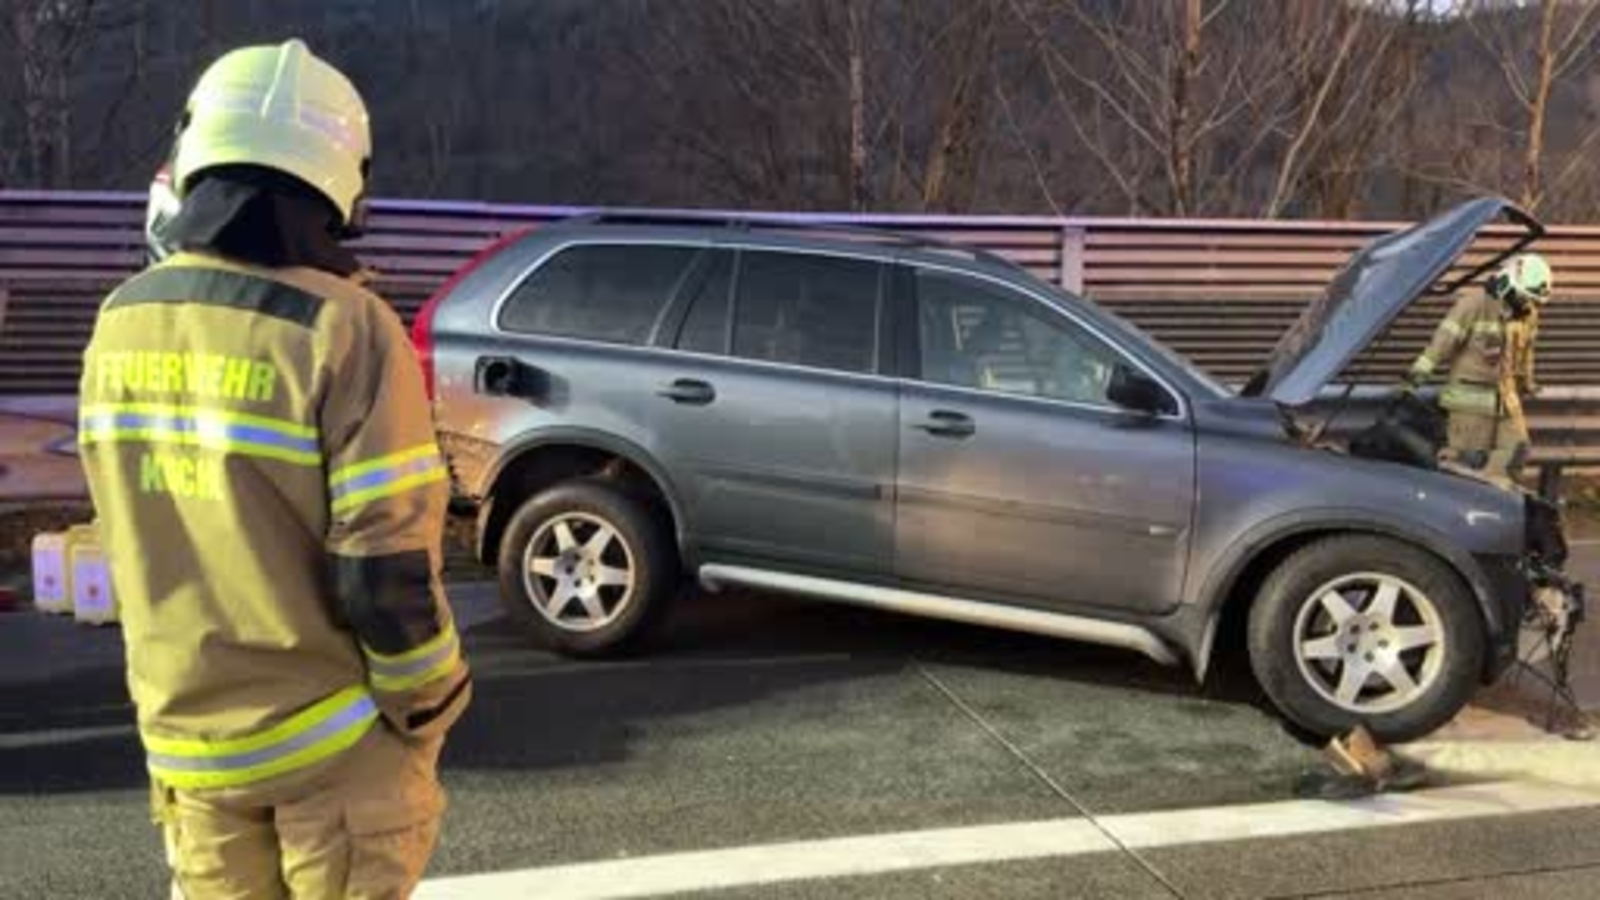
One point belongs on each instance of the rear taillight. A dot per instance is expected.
(422, 328)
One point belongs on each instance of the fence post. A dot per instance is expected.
(1072, 253)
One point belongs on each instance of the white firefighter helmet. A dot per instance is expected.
(280, 107)
(1527, 276)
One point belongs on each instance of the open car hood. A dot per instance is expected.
(1375, 287)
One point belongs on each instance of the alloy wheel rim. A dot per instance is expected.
(578, 571)
(1369, 642)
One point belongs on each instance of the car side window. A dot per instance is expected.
(807, 310)
(974, 335)
(603, 292)
(705, 328)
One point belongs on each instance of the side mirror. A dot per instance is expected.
(1133, 390)
(503, 376)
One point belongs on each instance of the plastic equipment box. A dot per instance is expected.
(52, 591)
(52, 568)
(93, 601)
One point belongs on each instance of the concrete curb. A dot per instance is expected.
(1551, 761)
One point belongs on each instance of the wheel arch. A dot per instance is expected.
(1231, 587)
(533, 463)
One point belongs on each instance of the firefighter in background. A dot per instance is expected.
(260, 453)
(160, 209)
(1486, 346)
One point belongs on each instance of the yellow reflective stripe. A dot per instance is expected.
(1470, 398)
(416, 667)
(1451, 326)
(295, 429)
(103, 436)
(309, 736)
(427, 648)
(305, 719)
(355, 470)
(1424, 365)
(395, 685)
(390, 488)
(1487, 328)
(300, 759)
(200, 427)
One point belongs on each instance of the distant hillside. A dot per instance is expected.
(1322, 108)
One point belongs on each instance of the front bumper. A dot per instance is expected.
(1558, 607)
(1534, 590)
(1531, 595)
(1512, 592)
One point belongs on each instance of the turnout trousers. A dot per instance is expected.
(1500, 440)
(364, 827)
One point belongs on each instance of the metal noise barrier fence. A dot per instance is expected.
(1219, 291)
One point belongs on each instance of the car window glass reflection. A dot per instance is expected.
(976, 337)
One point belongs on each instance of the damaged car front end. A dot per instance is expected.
(1557, 604)
(1374, 288)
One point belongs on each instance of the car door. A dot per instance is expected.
(776, 420)
(1017, 477)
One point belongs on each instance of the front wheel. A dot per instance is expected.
(1369, 631)
(587, 569)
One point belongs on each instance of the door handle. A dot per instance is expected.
(690, 391)
(946, 423)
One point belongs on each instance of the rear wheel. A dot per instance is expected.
(1366, 630)
(587, 569)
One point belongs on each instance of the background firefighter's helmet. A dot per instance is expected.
(1523, 279)
(159, 211)
(281, 107)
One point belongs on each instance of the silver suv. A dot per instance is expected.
(877, 419)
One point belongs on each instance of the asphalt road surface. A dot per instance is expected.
(776, 748)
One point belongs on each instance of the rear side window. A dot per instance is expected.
(614, 293)
(818, 311)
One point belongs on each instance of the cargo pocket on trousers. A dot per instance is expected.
(388, 853)
(392, 825)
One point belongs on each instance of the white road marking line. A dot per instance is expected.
(748, 866)
(1549, 760)
(1584, 542)
(905, 851)
(1299, 817)
(588, 668)
(17, 740)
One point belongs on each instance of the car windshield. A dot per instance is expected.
(1178, 360)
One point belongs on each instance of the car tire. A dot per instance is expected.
(588, 569)
(1369, 631)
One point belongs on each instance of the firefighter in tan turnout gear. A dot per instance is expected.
(261, 458)
(1486, 345)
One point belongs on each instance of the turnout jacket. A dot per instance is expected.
(1487, 353)
(261, 457)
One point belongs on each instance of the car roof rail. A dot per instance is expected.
(776, 222)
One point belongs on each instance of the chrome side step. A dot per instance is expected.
(935, 606)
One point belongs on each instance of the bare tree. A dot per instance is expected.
(1180, 134)
(1533, 62)
(1312, 110)
(860, 189)
(1331, 108)
(950, 175)
(738, 89)
(46, 37)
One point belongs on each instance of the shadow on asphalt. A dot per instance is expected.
(753, 622)
(534, 711)
(740, 649)
(91, 705)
